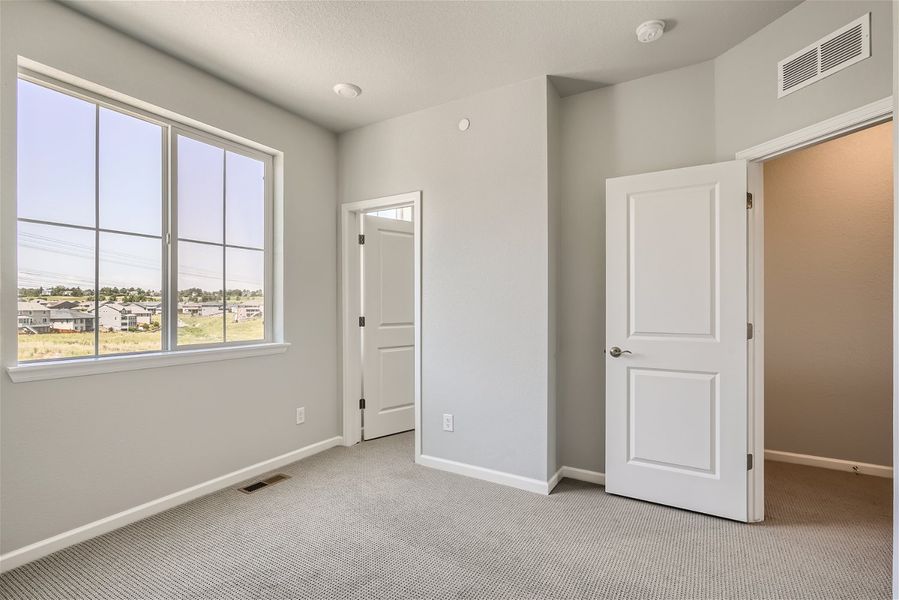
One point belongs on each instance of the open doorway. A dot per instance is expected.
(381, 283)
(828, 268)
(854, 143)
(828, 304)
(821, 280)
(387, 322)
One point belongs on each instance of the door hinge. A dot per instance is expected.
(361, 403)
(749, 331)
(361, 239)
(748, 462)
(748, 200)
(361, 321)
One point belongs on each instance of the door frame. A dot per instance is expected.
(350, 308)
(864, 116)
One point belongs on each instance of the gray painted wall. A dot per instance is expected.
(659, 122)
(77, 450)
(747, 109)
(485, 288)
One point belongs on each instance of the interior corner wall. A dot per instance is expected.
(828, 298)
(485, 296)
(554, 199)
(748, 111)
(659, 122)
(80, 449)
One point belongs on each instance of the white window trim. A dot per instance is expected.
(172, 231)
(172, 354)
(78, 367)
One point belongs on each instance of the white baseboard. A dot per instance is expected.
(554, 480)
(500, 477)
(835, 464)
(516, 481)
(583, 475)
(26, 554)
(578, 474)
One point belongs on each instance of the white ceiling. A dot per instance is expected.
(411, 55)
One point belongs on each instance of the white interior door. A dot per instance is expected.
(676, 307)
(388, 338)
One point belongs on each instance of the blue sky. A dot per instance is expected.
(56, 179)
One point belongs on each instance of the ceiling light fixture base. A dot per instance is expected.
(347, 90)
(650, 31)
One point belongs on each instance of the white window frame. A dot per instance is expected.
(171, 352)
(172, 324)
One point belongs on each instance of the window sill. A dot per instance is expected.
(94, 366)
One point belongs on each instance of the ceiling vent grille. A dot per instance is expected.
(842, 48)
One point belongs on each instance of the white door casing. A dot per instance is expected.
(388, 346)
(676, 300)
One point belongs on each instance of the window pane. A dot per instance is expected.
(130, 174)
(400, 214)
(246, 282)
(56, 289)
(55, 156)
(200, 280)
(200, 189)
(245, 208)
(130, 294)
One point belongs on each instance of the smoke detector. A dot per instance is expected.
(650, 31)
(347, 90)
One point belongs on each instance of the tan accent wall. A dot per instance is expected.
(828, 299)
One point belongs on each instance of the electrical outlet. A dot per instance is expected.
(447, 422)
(301, 415)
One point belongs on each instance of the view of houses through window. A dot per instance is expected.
(91, 242)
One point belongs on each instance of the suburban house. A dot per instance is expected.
(33, 317)
(245, 312)
(190, 308)
(211, 309)
(520, 299)
(68, 319)
(153, 307)
(142, 314)
(64, 304)
(201, 309)
(116, 317)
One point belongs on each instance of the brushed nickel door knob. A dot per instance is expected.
(615, 352)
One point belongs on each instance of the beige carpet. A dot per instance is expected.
(365, 522)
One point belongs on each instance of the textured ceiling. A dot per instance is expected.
(411, 55)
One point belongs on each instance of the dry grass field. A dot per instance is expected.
(191, 330)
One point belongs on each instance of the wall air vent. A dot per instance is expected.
(842, 48)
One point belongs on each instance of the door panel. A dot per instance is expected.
(396, 271)
(397, 374)
(388, 303)
(671, 420)
(676, 399)
(679, 268)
